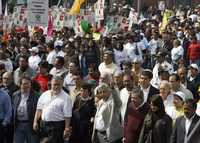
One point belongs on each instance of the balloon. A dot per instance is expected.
(85, 26)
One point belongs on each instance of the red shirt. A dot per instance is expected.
(194, 51)
(43, 81)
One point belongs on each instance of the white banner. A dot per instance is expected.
(38, 13)
(99, 10)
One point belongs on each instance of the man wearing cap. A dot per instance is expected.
(161, 61)
(107, 66)
(34, 59)
(185, 125)
(58, 45)
(193, 80)
(176, 110)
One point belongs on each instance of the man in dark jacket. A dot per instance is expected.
(184, 125)
(147, 88)
(134, 117)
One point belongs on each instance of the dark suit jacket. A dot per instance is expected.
(152, 91)
(194, 137)
(31, 105)
(178, 135)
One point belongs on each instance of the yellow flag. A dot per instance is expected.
(76, 6)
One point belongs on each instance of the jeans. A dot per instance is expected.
(24, 134)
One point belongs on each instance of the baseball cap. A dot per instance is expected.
(194, 66)
(180, 94)
(34, 49)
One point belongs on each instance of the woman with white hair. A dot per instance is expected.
(165, 93)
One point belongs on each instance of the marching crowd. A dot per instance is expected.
(139, 86)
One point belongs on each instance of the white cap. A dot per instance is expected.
(194, 66)
(34, 49)
(58, 43)
(180, 94)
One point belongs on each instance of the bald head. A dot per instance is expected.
(7, 78)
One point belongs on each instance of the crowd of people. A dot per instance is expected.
(138, 86)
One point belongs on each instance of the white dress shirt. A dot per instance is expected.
(109, 69)
(22, 112)
(145, 92)
(55, 107)
(51, 57)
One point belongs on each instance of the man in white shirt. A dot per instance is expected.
(34, 59)
(124, 94)
(108, 66)
(51, 57)
(59, 69)
(55, 109)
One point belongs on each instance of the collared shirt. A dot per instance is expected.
(99, 122)
(22, 112)
(146, 92)
(18, 74)
(109, 69)
(5, 107)
(58, 72)
(51, 57)
(188, 122)
(69, 82)
(55, 107)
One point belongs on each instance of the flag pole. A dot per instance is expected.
(58, 3)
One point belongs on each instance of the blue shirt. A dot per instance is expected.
(5, 107)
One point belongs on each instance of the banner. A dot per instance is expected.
(38, 13)
(99, 10)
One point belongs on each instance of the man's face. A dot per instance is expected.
(178, 103)
(6, 79)
(72, 67)
(107, 58)
(25, 85)
(188, 110)
(56, 85)
(174, 84)
(23, 64)
(118, 80)
(144, 81)
(181, 73)
(128, 83)
(136, 99)
(57, 64)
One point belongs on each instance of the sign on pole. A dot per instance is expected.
(38, 13)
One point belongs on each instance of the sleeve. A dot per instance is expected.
(174, 133)
(67, 108)
(40, 103)
(8, 110)
(169, 130)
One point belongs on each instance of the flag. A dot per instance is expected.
(50, 26)
(1, 7)
(76, 6)
(5, 21)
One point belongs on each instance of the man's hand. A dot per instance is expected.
(67, 132)
(35, 126)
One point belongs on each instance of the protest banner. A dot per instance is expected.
(99, 10)
(38, 13)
